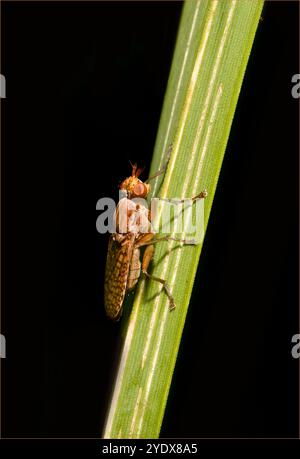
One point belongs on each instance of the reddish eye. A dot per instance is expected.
(140, 190)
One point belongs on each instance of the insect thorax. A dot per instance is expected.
(132, 216)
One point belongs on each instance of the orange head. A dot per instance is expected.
(133, 186)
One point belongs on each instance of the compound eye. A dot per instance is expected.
(140, 190)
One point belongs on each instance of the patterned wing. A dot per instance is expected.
(116, 275)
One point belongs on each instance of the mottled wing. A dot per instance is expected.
(116, 275)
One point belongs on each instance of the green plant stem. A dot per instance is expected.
(213, 46)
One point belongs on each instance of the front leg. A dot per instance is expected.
(163, 169)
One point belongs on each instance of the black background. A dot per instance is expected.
(85, 86)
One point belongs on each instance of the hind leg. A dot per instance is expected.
(148, 254)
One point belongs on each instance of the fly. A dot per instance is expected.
(124, 264)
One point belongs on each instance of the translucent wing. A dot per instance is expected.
(116, 275)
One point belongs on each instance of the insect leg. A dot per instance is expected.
(142, 243)
(163, 169)
(148, 254)
(201, 195)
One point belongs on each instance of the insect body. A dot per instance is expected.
(133, 231)
(123, 265)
